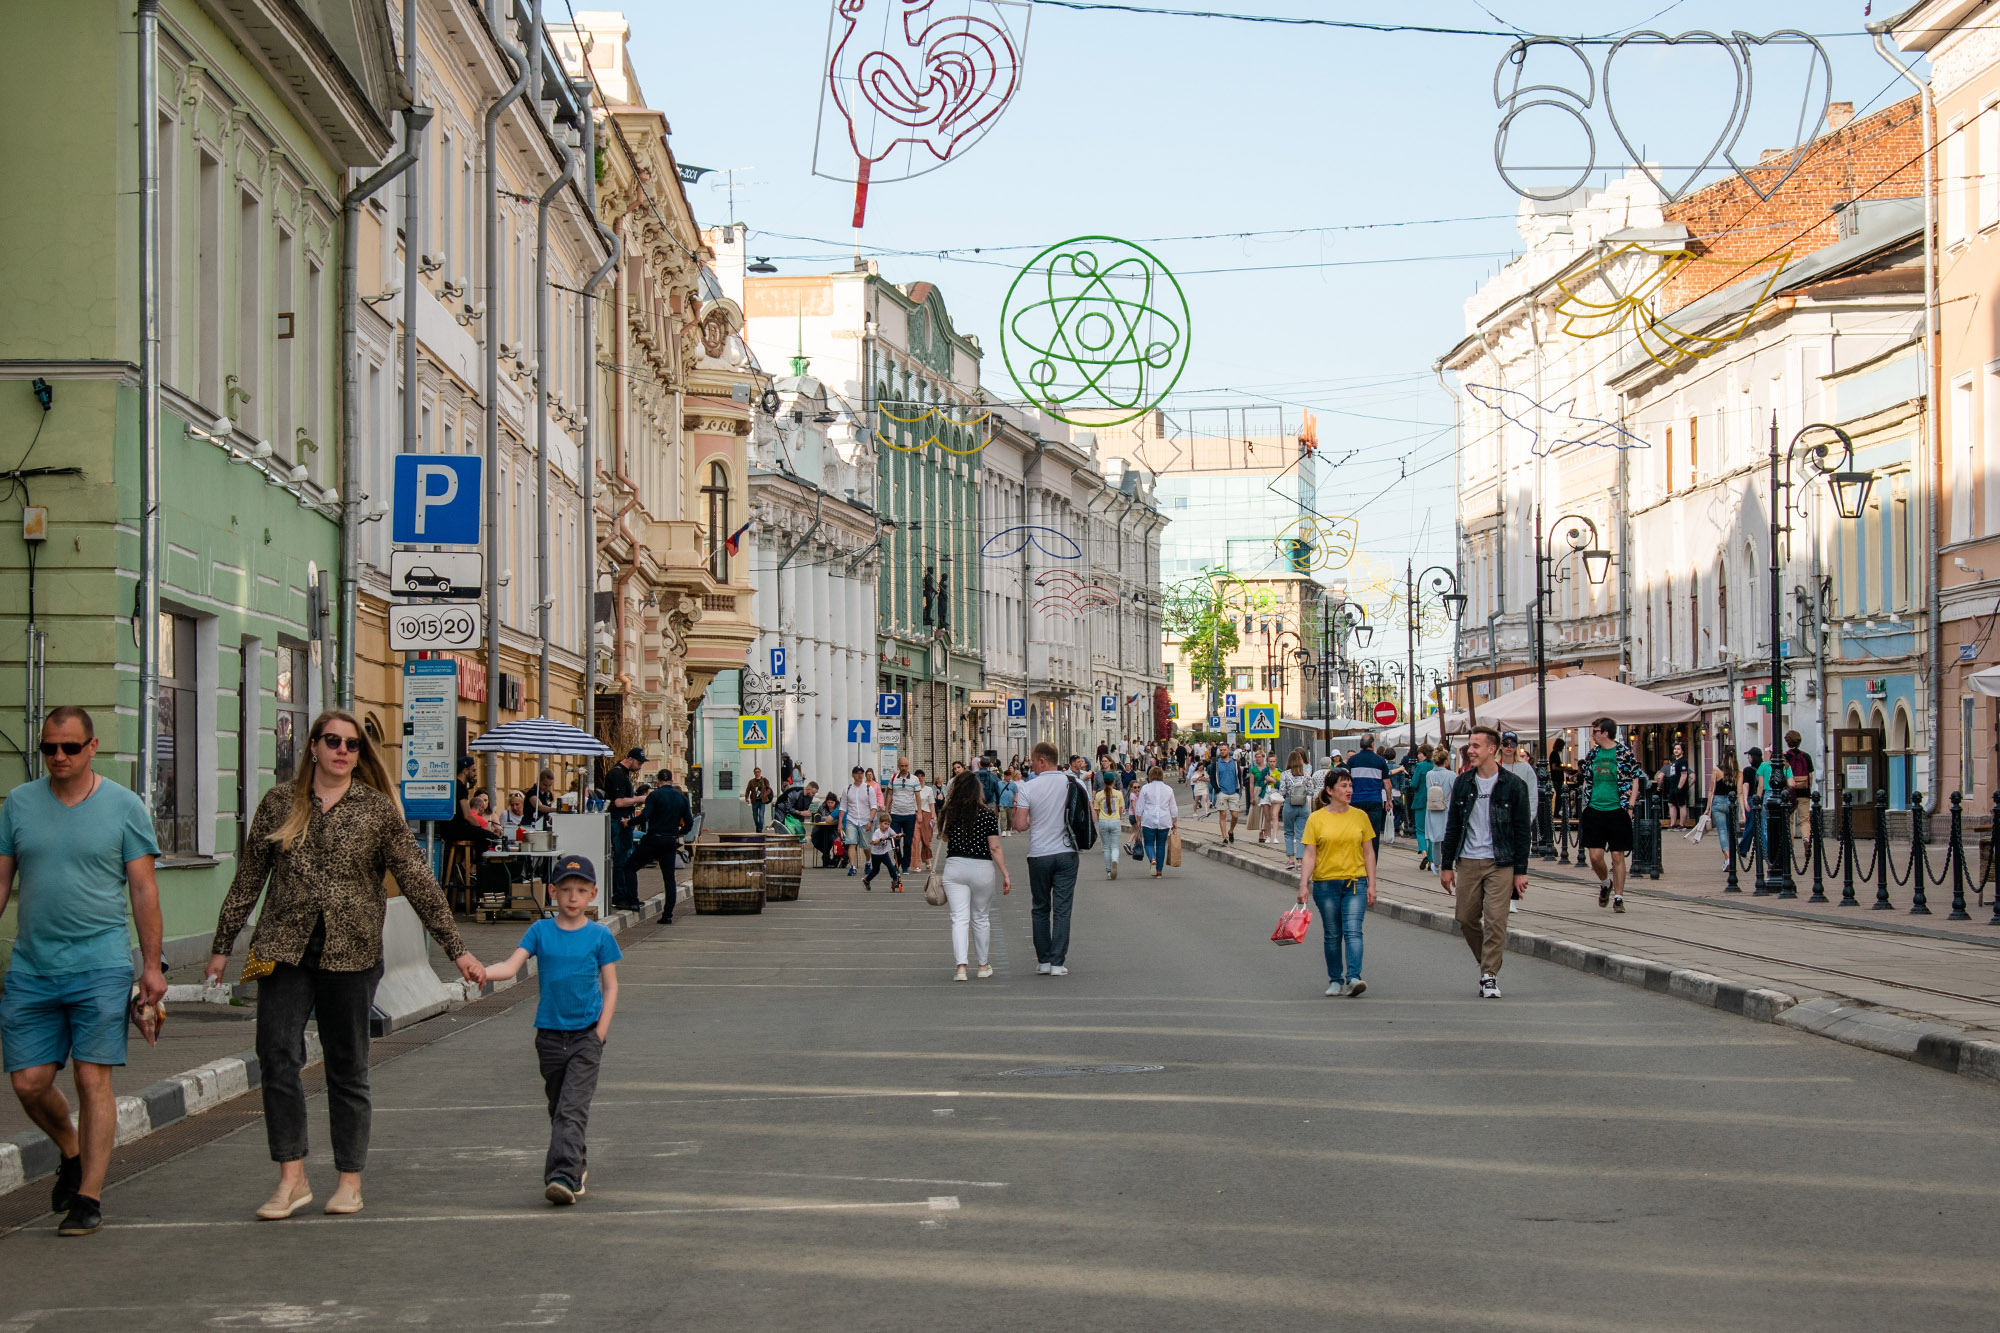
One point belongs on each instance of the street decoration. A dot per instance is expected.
(911, 84)
(1095, 331)
(935, 417)
(1551, 426)
(1656, 335)
(1318, 542)
(1065, 594)
(1012, 541)
(1562, 98)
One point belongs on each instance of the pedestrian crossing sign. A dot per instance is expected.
(753, 732)
(1260, 724)
(1174, 711)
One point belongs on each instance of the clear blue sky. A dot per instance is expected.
(1149, 126)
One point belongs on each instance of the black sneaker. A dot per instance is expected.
(69, 1177)
(1618, 903)
(560, 1191)
(1604, 894)
(83, 1218)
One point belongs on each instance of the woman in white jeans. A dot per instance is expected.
(972, 862)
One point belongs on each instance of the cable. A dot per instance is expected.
(1347, 25)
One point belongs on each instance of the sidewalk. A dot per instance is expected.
(1925, 969)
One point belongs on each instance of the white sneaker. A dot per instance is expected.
(1336, 988)
(1489, 988)
(1357, 987)
(1058, 971)
(1513, 904)
(1042, 968)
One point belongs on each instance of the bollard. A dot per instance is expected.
(1544, 821)
(1919, 868)
(1562, 810)
(1882, 903)
(1729, 849)
(1847, 898)
(1814, 814)
(1955, 858)
(1993, 857)
(1645, 834)
(1757, 837)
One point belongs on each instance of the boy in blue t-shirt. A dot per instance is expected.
(579, 975)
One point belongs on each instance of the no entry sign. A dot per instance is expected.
(1386, 714)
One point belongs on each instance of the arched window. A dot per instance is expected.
(719, 531)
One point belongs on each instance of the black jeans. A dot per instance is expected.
(624, 876)
(664, 851)
(1052, 886)
(906, 836)
(1377, 813)
(340, 1001)
(569, 1061)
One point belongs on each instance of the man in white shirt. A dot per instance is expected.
(1052, 860)
(857, 812)
(903, 808)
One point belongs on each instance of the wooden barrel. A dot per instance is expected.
(784, 863)
(728, 879)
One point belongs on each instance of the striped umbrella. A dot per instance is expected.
(539, 735)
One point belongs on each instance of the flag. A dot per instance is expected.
(736, 538)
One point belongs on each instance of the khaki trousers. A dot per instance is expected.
(1484, 888)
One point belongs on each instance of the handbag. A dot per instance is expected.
(1694, 835)
(1292, 923)
(934, 886)
(255, 968)
(1174, 847)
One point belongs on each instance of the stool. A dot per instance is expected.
(458, 872)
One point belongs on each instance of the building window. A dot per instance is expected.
(716, 493)
(1240, 678)
(290, 725)
(1170, 675)
(175, 769)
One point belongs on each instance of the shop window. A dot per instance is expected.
(175, 771)
(289, 727)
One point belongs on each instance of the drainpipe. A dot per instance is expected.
(413, 142)
(148, 609)
(1933, 611)
(491, 443)
(414, 120)
(565, 165)
(589, 465)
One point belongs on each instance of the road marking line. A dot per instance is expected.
(567, 1216)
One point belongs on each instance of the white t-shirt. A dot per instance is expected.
(903, 795)
(1478, 844)
(926, 799)
(1043, 797)
(857, 804)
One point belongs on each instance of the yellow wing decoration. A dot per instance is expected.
(1656, 335)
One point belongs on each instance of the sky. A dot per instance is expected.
(1344, 182)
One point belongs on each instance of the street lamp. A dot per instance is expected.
(1850, 486)
(1596, 567)
(1438, 579)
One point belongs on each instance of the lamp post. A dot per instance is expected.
(1850, 486)
(1439, 580)
(1596, 566)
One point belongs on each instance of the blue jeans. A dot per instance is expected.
(1156, 846)
(1378, 815)
(1295, 823)
(1108, 837)
(1342, 903)
(757, 809)
(1753, 828)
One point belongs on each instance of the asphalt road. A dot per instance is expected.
(804, 1123)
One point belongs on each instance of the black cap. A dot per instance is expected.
(574, 867)
(636, 753)
(466, 761)
(1509, 737)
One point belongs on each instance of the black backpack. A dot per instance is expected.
(1078, 815)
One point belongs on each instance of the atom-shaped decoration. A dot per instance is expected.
(1095, 331)
(1051, 542)
(939, 415)
(1318, 542)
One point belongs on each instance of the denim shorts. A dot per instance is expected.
(50, 1020)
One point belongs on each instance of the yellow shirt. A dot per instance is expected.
(1337, 840)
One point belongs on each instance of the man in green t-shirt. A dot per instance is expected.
(1610, 775)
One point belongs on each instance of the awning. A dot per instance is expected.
(1985, 681)
(1577, 701)
(539, 735)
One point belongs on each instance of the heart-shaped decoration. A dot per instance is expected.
(1802, 141)
(1731, 128)
(933, 83)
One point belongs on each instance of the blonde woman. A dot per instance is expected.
(1295, 794)
(1109, 802)
(317, 852)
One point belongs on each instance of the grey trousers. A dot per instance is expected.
(569, 1061)
(339, 1002)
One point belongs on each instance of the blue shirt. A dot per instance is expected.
(69, 876)
(572, 998)
(1225, 776)
(1371, 773)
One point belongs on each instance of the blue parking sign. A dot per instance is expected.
(437, 500)
(1017, 705)
(777, 661)
(888, 705)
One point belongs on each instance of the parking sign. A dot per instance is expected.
(888, 705)
(777, 661)
(437, 500)
(1017, 705)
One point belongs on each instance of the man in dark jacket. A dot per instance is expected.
(1484, 859)
(665, 816)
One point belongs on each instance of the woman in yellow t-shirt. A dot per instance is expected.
(1340, 876)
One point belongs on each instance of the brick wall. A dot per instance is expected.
(1877, 157)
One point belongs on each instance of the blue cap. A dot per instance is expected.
(574, 867)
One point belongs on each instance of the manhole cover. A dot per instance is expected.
(1074, 1071)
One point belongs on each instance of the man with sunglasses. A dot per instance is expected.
(82, 846)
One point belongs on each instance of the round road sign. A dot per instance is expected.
(1386, 713)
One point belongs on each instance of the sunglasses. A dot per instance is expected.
(351, 744)
(49, 748)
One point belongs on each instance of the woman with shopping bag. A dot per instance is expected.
(1159, 815)
(1340, 878)
(973, 865)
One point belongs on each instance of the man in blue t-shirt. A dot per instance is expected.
(1228, 794)
(1371, 783)
(576, 959)
(82, 846)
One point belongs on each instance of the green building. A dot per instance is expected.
(259, 113)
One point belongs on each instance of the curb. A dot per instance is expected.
(30, 1155)
(1934, 1045)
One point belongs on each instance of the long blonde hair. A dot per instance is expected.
(368, 770)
